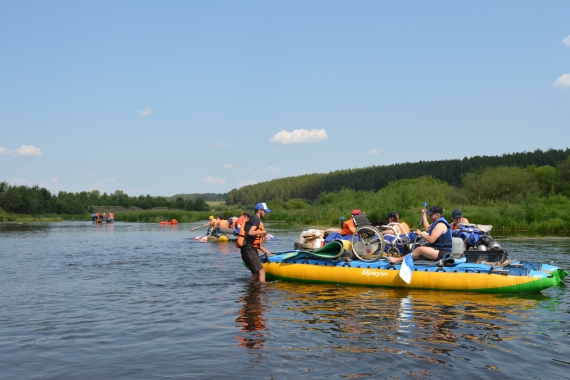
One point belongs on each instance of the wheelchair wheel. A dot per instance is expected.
(393, 252)
(370, 246)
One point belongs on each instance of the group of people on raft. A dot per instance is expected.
(251, 235)
(220, 224)
(437, 234)
(104, 218)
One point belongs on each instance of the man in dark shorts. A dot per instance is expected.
(254, 235)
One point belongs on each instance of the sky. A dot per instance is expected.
(169, 97)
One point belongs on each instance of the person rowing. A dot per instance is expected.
(438, 237)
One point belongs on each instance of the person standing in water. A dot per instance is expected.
(251, 240)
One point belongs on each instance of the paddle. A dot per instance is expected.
(407, 268)
(200, 237)
(419, 225)
(195, 228)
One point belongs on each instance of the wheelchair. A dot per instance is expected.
(369, 243)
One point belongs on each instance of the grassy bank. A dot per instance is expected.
(152, 216)
(530, 214)
(24, 218)
(546, 215)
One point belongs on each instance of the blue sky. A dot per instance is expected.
(166, 97)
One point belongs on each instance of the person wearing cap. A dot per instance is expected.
(254, 235)
(211, 222)
(397, 225)
(438, 237)
(457, 216)
(348, 226)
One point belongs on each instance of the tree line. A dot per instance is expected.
(533, 199)
(374, 178)
(208, 197)
(36, 200)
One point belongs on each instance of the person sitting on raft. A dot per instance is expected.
(348, 227)
(457, 216)
(222, 223)
(397, 225)
(438, 237)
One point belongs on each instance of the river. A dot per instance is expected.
(144, 301)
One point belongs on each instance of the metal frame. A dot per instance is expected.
(372, 244)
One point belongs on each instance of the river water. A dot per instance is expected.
(143, 301)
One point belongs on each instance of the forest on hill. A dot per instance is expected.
(531, 194)
(374, 178)
(535, 199)
(208, 197)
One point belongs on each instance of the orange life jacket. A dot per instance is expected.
(348, 227)
(242, 233)
(455, 226)
(223, 223)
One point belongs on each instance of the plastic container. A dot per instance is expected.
(457, 246)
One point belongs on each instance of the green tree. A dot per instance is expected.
(501, 183)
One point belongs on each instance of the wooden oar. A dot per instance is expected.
(195, 228)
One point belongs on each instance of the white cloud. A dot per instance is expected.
(29, 168)
(55, 180)
(213, 180)
(566, 41)
(145, 112)
(220, 145)
(270, 169)
(92, 174)
(299, 136)
(246, 182)
(6, 161)
(110, 179)
(372, 152)
(563, 81)
(18, 181)
(24, 150)
(246, 169)
(229, 166)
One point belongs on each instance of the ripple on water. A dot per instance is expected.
(137, 301)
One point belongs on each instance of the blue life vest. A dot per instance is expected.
(444, 240)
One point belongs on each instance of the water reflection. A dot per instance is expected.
(104, 227)
(250, 319)
(422, 325)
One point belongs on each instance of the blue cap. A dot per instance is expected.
(261, 206)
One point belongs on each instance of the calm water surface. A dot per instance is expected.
(143, 301)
